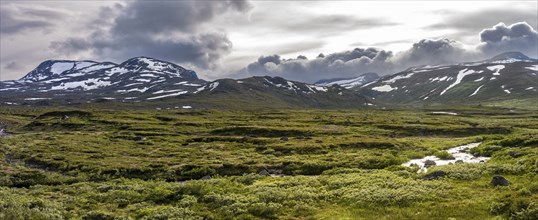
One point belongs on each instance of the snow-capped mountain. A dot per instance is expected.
(350, 83)
(507, 76)
(146, 79)
(137, 78)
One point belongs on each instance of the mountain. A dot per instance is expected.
(259, 91)
(508, 76)
(144, 79)
(349, 83)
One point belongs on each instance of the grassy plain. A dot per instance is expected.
(206, 164)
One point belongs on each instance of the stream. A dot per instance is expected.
(460, 153)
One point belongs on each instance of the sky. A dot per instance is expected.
(298, 40)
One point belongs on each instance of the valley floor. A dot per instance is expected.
(266, 164)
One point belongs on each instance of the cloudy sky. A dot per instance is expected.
(299, 40)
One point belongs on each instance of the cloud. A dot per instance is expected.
(15, 19)
(433, 52)
(169, 30)
(359, 60)
(12, 66)
(516, 37)
(472, 22)
(501, 38)
(341, 64)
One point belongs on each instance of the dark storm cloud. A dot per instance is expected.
(170, 30)
(354, 62)
(501, 38)
(342, 64)
(15, 19)
(432, 52)
(516, 37)
(472, 22)
(169, 16)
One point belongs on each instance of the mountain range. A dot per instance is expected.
(144, 79)
(508, 76)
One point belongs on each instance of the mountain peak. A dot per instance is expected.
(154, 65)
(510, 55)
(50, 68)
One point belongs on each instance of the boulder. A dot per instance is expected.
(499, 181)
(434, 175)
(264, 173)
(458, 161)
(284, 138)
(139, 138)
(429, 163)
(207, 177)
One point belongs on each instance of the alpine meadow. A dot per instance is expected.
(240, 109)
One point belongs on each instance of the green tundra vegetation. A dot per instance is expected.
(264, 164)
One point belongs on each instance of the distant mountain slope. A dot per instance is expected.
(281, 92)
(350, 83)
(144, 79)
(507, 76)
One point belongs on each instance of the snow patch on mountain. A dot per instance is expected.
(459, 77)
(533, 67)
(87, 84)
(168, 95)
(476, 91)
(384, 88)
(394, 79)
(478, 80)
(213, 86)
(496, 68)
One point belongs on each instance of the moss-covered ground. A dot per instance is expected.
(206, 164)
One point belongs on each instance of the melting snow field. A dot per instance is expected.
(459, 153)
(384, 88)
(496, 68)
(476, 91)
(461, 75)
(534, 67)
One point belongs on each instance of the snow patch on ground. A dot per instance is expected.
(134, 90)
(213, 86)
(317, 88)
(399, 77)
(88, 84)
(384, 88)
(167, 91)
(533, 67)
(60, 67)
(476, 91)
(35, 99)
(438, 79)
(478, 80)
(496, 68)
(168, 95)
(461, 75)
